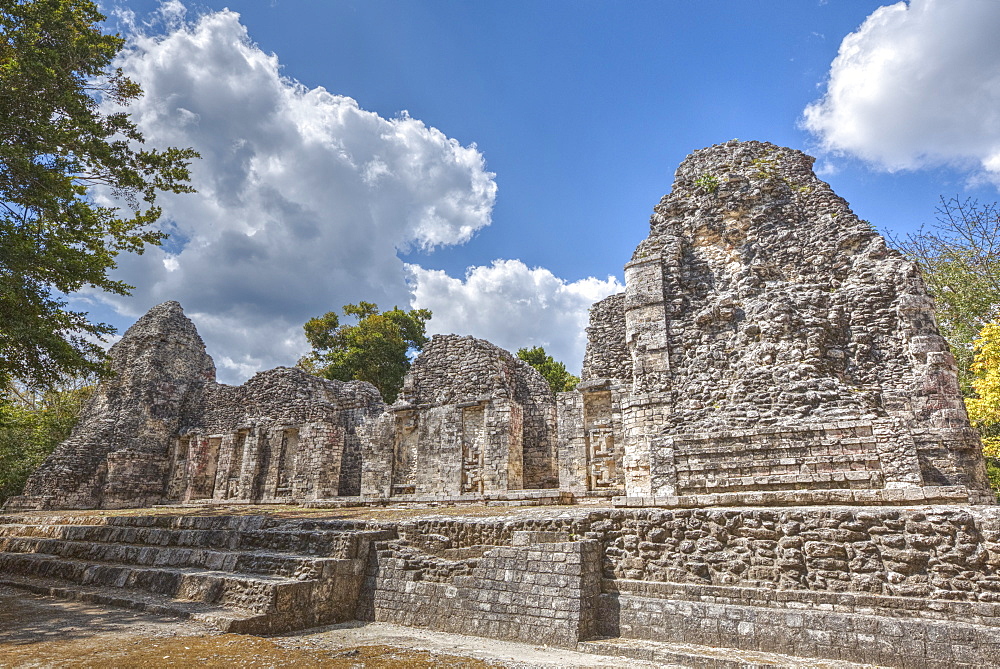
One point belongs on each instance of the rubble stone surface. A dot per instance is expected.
(607, 355)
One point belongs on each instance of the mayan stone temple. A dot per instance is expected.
(767, 462)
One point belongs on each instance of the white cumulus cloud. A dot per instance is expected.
(917, 85)
(304, 198)
(513, 306)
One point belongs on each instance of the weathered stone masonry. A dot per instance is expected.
(161, 430)
(775, 344)
(471, 419)
(769, 404)
(893, 587)
(767, 343)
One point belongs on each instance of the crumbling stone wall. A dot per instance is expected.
(939, 553)
(163, 430)
(454, 370)
(779, 303)
(284, 435)
(894, 587)
(607, 355)
(471, 418)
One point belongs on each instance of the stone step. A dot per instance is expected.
(811, 480)
(166, 521)
(805, 462)
(771, 498)
(185, 522)
(252, 593)
(247, 573)
(226, 620)
(277, 564)
(665, 653)
(325, 544)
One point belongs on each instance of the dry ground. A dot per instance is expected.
(38, 631)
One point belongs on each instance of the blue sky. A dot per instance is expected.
(580, 112)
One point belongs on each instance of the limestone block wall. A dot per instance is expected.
(839, 455)
(842, 629)
(384, 455)
(469, 448)
(887, 586)
(933, 553)
(536, 591)
(910, 587)
(131, 479)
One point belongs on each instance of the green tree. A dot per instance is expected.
(959, 256)
(984, 406)
(56, 144)
(376, 348)
(553, 372)
(32, 424)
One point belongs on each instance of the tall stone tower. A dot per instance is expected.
(117, 454)
(774, 343)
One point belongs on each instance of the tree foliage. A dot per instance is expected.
(376, 348)
(55, 146)
(960, 259)
(984, 408)
(554, 372)
(32, 424)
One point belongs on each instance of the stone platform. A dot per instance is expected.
(912, 586)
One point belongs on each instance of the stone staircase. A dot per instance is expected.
(244, 574)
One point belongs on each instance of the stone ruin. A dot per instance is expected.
(471, 419)
(161, 430)
(768, 444)
(768, 349)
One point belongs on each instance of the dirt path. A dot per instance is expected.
(38, 631)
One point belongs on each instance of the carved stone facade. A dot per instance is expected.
(471, 419)
(591, 443)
